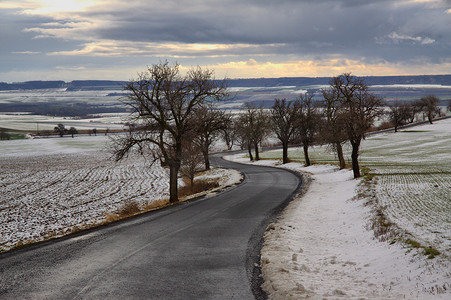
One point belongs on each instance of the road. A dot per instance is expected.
(203, 249)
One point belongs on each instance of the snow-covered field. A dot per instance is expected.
(38, 123)
(413, 175)
(322, 247)
(50, 187)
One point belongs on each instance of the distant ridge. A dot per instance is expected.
(73, 85)
(251, 82)
(370, 80)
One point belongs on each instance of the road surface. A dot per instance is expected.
(203, 249)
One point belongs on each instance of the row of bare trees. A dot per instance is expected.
(175, 122)
(402, 113)
(346, 113)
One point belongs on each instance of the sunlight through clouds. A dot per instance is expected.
(53, 6)
(322, 68)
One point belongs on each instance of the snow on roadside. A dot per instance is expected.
(320, 248)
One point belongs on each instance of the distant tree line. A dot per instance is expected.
(62, 130)
(175, 121)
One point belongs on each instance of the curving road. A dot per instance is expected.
(203, 249)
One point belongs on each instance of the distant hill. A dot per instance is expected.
(32, 85)
(252, 82)
(70, 86)
(370, 80)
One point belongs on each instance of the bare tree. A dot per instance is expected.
(192, 159)
(60, 129)
(252, 127)
(208, 122)
(307, 125)
(228, 132)
(163, 102)
(284, 115)
(429, 106)
(399, 113)
(72, 131)
(415, 108)
(360, 107)
(332, 129)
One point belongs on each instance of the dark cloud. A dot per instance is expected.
(352, 27)
(370, 31)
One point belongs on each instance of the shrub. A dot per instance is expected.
(129, 208)
(199, 186)
(385, 125)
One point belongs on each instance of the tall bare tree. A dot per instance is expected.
(332, 129)
(208, 122)
(429, 105)
(360, 106)
(284, 115)
(163, 102)
(308, 121)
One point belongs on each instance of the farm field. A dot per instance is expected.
(37, 123)
(413, 176)
(51, 187)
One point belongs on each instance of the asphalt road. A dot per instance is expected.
(203, 249)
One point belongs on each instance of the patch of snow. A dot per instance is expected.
(320, 248)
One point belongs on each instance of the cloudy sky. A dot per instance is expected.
(115, 39)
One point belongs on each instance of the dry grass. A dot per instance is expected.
(155, 204)
(132, 208)
(200, 185)
(129, 208)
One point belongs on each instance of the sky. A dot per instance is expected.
(117, 39)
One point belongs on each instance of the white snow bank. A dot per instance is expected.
(321, 249)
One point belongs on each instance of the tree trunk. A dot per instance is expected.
(205, 146)
(174, 167)
(228, 141)
(207, 162)
(284, 152)
(355, 159)
(341, 158)
(250, 151)
(191, 182)
(307, 159)
(257, 156)
(430, 118)
(206, 158)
